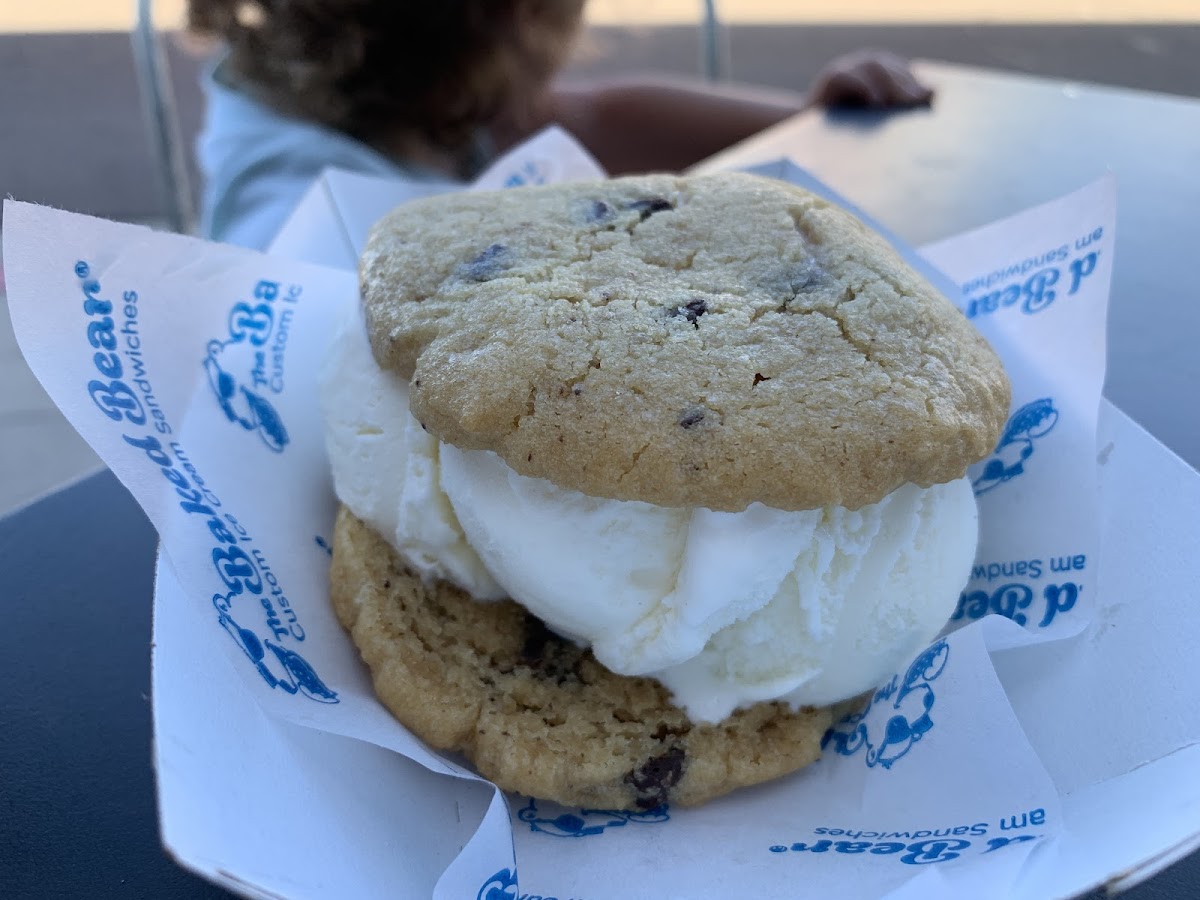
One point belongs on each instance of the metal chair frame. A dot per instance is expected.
(162, 120)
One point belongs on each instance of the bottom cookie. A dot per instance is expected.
(535, 713)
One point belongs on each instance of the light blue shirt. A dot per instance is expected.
(257, 164)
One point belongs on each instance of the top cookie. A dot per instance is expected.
(686, 341)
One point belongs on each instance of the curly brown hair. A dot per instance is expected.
(377, 69)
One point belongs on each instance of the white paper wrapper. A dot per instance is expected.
(191, 367)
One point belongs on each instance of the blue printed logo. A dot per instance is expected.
(586, 822)
(908, 719)
(921, 846)
(240, 404)
(248, 365)
(501, 886)
(1040, 289)
(125, 393)
(530, 172)
(1030, 422)
(296, 676)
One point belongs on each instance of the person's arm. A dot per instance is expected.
(664, 125)
(639, 126)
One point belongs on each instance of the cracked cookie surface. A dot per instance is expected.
(685, 341)
(535, 713)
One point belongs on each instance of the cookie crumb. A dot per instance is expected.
(664, 731)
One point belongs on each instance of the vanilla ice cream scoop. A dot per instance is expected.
(725, 609)
(386, 467)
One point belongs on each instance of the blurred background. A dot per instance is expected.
(75, 135)
(75, 132)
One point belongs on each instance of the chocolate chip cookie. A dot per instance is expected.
(685, 341)
(535, 713)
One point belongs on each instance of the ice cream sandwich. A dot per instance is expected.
(640, 477)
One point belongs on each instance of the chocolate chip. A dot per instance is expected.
(487, 265)
(650, 206)
(599, 211)
(758, 376)
(692, 310)
(654, 779)
(691, 418)
(548, 654)
(538, 640)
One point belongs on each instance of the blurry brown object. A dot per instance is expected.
(385, 71)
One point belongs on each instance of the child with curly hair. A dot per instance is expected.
(432, 91)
